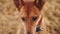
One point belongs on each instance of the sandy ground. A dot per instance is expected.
(9, 16)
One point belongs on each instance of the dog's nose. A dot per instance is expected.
(28, 33)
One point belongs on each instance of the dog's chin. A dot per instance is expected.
(32, 30)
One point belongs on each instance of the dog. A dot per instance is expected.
(31, 15)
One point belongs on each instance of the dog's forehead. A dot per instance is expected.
(29, 11)
(28, 0)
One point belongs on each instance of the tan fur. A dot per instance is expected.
(29, 10)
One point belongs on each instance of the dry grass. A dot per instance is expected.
(9, 16)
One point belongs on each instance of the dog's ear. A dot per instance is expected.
(18, 4)
(39, 3)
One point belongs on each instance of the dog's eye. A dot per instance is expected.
(23, 19)
(34, 18)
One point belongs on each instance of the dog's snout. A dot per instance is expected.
(28, 33)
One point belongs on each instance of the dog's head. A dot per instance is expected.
(29, 12)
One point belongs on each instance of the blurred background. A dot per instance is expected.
(9, 16)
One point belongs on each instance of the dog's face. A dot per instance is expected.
(29, 13)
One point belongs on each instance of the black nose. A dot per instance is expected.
(28, 33)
